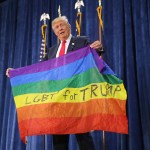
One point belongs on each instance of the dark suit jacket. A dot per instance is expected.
(75, 43)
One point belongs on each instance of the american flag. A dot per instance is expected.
(42, 51)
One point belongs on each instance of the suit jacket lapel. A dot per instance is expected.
(53, 52)
(56, 49)
(71, 44)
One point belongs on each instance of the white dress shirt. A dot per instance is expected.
(66, 45)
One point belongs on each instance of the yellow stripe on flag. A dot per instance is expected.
(74, 95)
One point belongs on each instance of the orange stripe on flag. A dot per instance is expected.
(58, 110)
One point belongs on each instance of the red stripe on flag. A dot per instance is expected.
(73, 125)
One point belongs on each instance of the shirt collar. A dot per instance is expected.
(68, 39)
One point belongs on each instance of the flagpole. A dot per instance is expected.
(59, 15)
(43, 52)
(43, 18)
(78, 5)
(99, 12)
(59, 11)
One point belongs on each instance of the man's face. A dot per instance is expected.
(62, 30)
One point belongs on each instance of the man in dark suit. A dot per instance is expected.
(68, 43)
(62, 30)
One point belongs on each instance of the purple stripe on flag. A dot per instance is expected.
(57, 62)
(101, 65)
(99, 62)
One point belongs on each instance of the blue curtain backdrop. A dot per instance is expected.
(127, 50)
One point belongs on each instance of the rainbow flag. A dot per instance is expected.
(75, 93)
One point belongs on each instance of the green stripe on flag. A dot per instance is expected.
(77, 81)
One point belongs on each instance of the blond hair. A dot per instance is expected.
(62, 18)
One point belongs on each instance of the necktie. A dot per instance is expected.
(62, 49)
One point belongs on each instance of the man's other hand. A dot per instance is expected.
(7, 71)
(96, 45)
